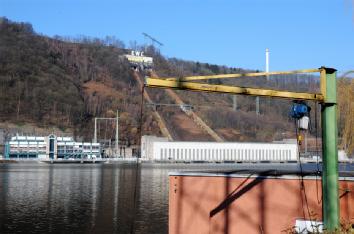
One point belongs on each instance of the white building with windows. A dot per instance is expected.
(158, 150)
(50, 147)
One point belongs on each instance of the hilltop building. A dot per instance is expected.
(137, 59)
(50, 147)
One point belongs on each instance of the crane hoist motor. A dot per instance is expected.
(301, 112)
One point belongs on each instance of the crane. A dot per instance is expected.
(327, 98)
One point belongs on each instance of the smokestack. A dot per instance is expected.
(267, 61)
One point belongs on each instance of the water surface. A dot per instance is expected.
(90, 198)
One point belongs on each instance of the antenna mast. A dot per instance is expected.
(153, 40)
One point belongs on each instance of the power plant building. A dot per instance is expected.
(50, 147)
(163, 150)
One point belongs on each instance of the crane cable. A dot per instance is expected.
(135, 195)
(318, 172)
(302, 184)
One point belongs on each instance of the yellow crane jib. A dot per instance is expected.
(177, 84)
(240, 75)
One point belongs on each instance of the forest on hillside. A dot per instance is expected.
(66, 82)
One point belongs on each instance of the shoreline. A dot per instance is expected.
(144, 161)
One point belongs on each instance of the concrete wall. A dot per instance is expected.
(147, 146)
(247, 204)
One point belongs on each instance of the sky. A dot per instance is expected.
(299, 33)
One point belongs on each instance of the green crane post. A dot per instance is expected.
(330, 204)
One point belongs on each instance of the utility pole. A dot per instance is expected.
(257, 105)
(267, 70)
(234, 102)
(95, 132)
(116, 119)
(117, 132)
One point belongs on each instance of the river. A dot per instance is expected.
(87, 198)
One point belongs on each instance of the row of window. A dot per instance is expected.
(72, 147)
(22, 156)
(77, 155)
(226, 154)
(27, 150)
(76, 151)
(28, 146)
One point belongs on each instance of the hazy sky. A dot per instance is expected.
(300, 34)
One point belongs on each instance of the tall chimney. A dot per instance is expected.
(267, 61)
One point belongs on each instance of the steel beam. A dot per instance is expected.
(160, 83)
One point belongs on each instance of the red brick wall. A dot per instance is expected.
(247, 205)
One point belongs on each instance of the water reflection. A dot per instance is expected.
(78, 199)
(46, 198)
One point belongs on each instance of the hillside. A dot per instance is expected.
(50, 82)
(66, 83)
